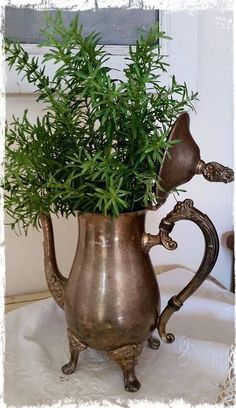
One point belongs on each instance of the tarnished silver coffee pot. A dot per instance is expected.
(111, 298)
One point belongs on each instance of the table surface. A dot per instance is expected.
(14, 302)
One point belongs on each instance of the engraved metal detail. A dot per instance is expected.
(149, 240)
(127, 357)
(76, 346)
(56, 288)
(55, 280)
(215, 172)
(75, 343)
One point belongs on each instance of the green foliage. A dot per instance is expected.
(100, 142)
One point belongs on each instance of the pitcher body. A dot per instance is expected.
(112, 296)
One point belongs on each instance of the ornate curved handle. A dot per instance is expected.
(184, 211)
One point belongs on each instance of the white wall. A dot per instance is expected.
(201, 52)
(212, 129)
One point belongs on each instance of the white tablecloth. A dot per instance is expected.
(193, 368)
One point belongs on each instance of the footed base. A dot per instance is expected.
(125, 356)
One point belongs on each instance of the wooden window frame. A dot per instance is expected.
(182, 52)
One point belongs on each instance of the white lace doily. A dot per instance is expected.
(228, 388)
(194, 368)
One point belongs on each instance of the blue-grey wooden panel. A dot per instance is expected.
(116, 26)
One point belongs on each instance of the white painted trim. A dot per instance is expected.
(16, 86)
(112, 49)
(182, 51)
(164, 23)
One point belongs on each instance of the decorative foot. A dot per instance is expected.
(153, 342)
(131, 382)
(127, 357)
(75, 348)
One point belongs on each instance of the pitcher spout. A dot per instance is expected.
(55, 280)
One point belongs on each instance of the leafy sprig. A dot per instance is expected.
(100, 142)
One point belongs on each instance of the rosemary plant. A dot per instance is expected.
(100, 141)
